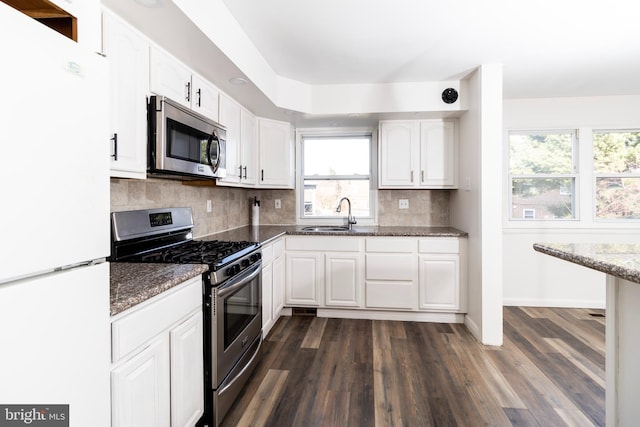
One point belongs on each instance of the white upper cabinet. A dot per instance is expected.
(418, 154)
(170, 78)
(242, 137)
(248, 147)
(127, 52)
(276, 154)
(229, 111)
(204, 97)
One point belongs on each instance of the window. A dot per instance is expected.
(335, 166)
(542, 170)
(616, 164)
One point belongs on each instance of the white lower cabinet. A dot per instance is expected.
(272, 283)
(187, 386)
(140, 387)
(343, 279)
(157, 368)
(442, 271)
(391, 279)
(398, 274)
(305, 278)
(324, 271)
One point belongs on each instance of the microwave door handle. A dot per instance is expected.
(214, 164)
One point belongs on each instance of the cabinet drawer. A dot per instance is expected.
(278, 248)
(392, 244)
(267, 254)
(328, 244)
(390, 295)
(389, 267)
(144, 322)
(442, 245)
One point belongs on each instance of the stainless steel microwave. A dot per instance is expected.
(183, 143)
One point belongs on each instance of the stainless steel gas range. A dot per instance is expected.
(232, 294)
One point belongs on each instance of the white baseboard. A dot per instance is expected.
(407, 316)
(573, 303)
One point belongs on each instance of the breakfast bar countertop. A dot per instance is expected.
(620, 259)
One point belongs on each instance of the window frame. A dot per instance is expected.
(303, 133)
(575, 175)
(597, 175)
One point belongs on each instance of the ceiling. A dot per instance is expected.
(548, 48)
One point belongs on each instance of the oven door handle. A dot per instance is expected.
(245, 278)
(225, 387)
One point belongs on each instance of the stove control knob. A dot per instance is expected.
(254, 257)
(245, 263)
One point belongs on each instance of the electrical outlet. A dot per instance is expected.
(403, 203)
(209, 206)
(278, 203)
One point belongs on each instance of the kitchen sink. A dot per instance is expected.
(326, 228)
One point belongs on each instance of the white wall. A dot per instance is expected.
(476, 208)
(533, 279)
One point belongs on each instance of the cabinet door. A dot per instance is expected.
(304, 278)
(187, 372)
(170, 78)
(229, 114)
(128, 55)
(439, 282)
(278, 286)
(399, 146)
(438, 154)
(204, 98)
(267, 299)
(275, 148)
(140, 392)
(343, 278)
(248, 147)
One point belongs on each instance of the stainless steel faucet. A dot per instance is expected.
(350, 219)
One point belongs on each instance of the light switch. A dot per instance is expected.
(209, 206)
(278, 204)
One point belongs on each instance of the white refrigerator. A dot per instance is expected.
(54, 223)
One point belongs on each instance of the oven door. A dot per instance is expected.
(237, 320)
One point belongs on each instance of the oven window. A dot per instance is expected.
(240, 308)
(186, 143)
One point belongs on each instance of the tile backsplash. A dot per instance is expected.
(231, 207)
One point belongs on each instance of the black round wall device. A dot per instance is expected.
(449, 95)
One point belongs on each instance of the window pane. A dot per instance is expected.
(616, 152)
(542, 198)
(618, 198)
(336, 156)
(546, 153)
(321, 197)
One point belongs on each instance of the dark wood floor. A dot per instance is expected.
(333, 372)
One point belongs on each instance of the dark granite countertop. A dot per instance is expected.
(264, 233)
(133, 283)
(621, 260)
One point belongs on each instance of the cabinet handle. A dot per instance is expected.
(240, 175)
(114, 138)
(422, 176)
(261, 174)
(411, 176)
(188, 90)
(199, 97)
(245, 172)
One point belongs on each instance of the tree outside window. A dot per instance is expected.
(542, 168)
(616, 162)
